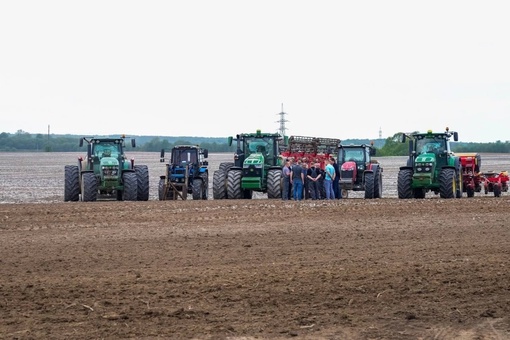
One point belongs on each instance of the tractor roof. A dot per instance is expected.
(258, 134)
(186, 147)
(429, 134)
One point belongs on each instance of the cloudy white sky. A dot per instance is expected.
(342, 69)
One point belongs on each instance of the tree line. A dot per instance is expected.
(24, 141)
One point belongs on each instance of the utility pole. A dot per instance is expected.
(282, 121)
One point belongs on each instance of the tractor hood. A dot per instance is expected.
(348, 166)
(109, 161)
(254, 159)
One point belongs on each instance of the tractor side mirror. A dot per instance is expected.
(133, 142)
(403, 138)
(372, 151)
(162, 156)
(206, 153)
(286, 140)
(456, 136)
(81, 142)
(89, 151)
(229, 141)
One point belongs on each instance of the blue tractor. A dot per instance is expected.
(186, 173)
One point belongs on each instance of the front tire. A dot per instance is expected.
(378, 184)
(369, 185)
(88, 187)
(274, 183)
(130, 186)
(447, 183)
(196, 189)
(142, 176)
(234, 184)
(405, 182)
(219, 185)
(72, 183)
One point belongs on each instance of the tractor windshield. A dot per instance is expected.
(354, 155)
(180, 156)
(431, 145)
(259, 145)
(106, 150)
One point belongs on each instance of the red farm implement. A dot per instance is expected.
(495, 182)
(472, 179)
(311, 150)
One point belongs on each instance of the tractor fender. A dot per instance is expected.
(406, 167)
(275, 168)
(162, 177)
(374, 167)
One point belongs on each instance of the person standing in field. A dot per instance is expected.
(286, 181)
(298, 178)
(313, 176)
(329, 173)
(336, 179)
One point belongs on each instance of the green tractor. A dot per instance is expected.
(431, 166)
(106, 173)
(257, 167)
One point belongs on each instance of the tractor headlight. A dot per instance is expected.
(419, 169)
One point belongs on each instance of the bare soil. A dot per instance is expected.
(248, 269)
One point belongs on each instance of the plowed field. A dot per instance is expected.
(248, 269)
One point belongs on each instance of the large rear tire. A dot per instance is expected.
(72, 183)
(88, 187)
(142, 177)
(234, 190)
(274, 183)
(226, 166)
(404, 184)
(219, 185)
(447, 183)
(369, 185)
(130, 186)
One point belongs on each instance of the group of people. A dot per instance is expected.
(301, 180)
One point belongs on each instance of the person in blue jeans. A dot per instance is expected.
(336, 180)
(286, 181)
(329, 175)
(298, 178)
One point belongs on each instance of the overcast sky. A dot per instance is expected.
(342, 69)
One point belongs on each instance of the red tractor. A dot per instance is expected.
(472, 179)
(359, 171)
(495, 182)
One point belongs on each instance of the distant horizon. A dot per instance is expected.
(225, 137)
